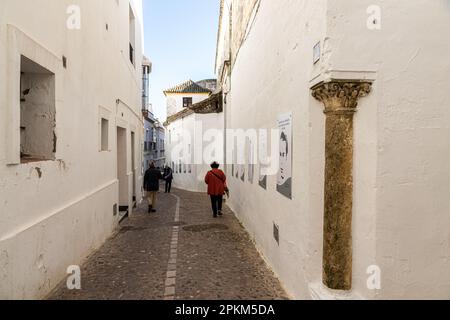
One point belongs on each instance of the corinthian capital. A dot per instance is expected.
(341, 96)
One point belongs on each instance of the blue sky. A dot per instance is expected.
(180, 40)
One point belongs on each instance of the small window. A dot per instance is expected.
(132, 36)
(187, 102)
(37, 112)
(105, 135)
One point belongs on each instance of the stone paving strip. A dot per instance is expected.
(171, 280)
(179, 253)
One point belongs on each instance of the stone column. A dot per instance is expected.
(341, 100)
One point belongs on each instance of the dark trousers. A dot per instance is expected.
(168, 186)
(216, 202)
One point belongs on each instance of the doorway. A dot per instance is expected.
(133, 166)
(122, 170)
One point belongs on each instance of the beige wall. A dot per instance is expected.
(54, 213)
(401, 220)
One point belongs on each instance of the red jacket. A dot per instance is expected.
(216, 181)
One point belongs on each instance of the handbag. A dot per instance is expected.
(227, 191)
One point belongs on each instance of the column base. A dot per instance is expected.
(319, 291)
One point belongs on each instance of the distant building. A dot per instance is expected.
(146, 71)
(185, 95)
(154, 133)
(149, 141)
(154, 142)
(192, 108)
(159, 156)
(209, 84)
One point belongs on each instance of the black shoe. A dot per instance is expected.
(220, 213)
(215, 216)
(149, 209)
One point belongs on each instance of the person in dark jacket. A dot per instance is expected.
(151, 186)
(168, 177)
(217, 186)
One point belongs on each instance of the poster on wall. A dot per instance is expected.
(263, 156)
(262, 180)
(250, 161)
(232, 164)
(284, 181)
(238, 168)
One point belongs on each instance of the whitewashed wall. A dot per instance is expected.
(401, 171)
(175, 101)
(402, 131)
(53, 214)
(276, 81)
(188, 127)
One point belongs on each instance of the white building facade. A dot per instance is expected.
(193, 109)
(71, 122)
(154, 133)
(368, 215)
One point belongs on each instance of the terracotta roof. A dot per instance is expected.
(187, 87)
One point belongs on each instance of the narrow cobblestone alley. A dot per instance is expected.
(184, 256)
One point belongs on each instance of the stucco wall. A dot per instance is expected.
(241, 15)
(404, 126)
(54, 213)
(37, 113)
(276, 81)
(190, 130)
(401, 220)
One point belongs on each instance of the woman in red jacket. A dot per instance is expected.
(217, 185)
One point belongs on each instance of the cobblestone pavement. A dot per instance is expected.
(162, 256)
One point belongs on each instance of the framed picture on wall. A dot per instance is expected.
(263, 142)
(284, 181)
(250, 161)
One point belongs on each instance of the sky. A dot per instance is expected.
(180, 39)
